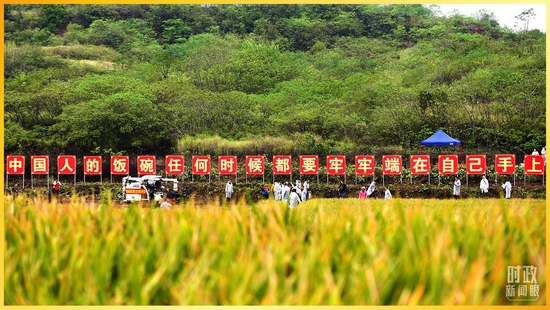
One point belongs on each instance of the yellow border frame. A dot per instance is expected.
(263, 2)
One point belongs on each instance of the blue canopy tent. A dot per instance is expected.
(440, 138)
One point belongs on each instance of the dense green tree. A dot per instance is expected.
(53, 17)
(123, 122)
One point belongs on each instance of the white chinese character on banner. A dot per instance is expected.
(255, 165)
(336, 164)
(119, 165)
(146, 165)
(308, 164)
(66, 166)
(40, 165)
(92, 165)
(226, 165)
(391, 164)
(15, 164)
(282, 164)
(201, 165)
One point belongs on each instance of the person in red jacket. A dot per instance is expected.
(56, 186)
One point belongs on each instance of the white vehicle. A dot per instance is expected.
(146, 188)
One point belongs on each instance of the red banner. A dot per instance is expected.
(309, 164)
(66, 164)
(282, 164)
(40, 164)
(476, 164)
(120, 165)
(336, 164)
(200, 164)
(533, 164)
(254, 164)
(15, 164)
(174, 164)
(227, 165)
(146, 164)
(364, 164)
(420, 164)
(92, 165)
(505, 164)
(392, 164)
(448, 164)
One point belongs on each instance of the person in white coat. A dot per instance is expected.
(228, 190)
(484, 186)
(535, 152)
(294, 199)
(165, 204)
(298, 191)
(278, 190)
(306, 189)
(285, 191)
(456, 188)
(371, 190)
(387, 193)
(507, 189)
(303, 194)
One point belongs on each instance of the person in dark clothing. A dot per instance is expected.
(172, 194)
(158, 184)
(342, 190)
(15, 190)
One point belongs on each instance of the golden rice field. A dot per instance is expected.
(324, 252)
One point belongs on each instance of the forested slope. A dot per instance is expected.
(244, 79)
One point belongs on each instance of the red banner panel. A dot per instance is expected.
(448, 164)
(15, 164)
(533, 164)
(309, 164)
(505, 164)
(66, 164)
(200, 164)
(254, 164)
(120, 165)
(282, 164)
(146, 164)
(174, 164)
(392, 164)
(476, 164)
(364, 164)
(336, 164)
(92, 165)
(227, 165)
(420, 164)
(40, 164)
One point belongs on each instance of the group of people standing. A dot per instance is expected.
(365, 193)
(300, 192)
(281, 192)
(542, 152)
(295, 195)
(483, 187)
